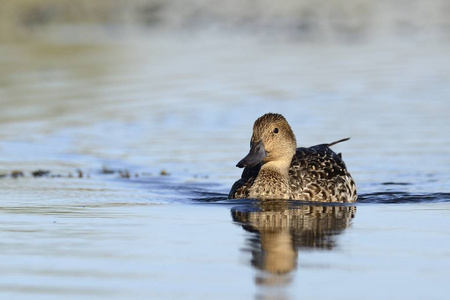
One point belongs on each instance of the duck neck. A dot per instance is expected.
(279, 167)
(272, 182)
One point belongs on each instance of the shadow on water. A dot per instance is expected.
(280, 229)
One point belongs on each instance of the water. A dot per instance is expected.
(185, 104)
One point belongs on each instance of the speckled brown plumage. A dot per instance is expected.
(318, 173)
(310, 174)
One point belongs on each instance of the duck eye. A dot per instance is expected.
(275, 130)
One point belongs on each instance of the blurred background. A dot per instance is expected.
(167, 87)
(152, 84)
(297, 20)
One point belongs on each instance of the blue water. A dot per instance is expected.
(186, 105)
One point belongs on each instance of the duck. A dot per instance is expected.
(275, 168)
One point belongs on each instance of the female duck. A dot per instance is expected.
(276, 169)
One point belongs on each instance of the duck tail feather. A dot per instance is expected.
(337, 142)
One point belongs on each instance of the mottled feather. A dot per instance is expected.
(316, 173)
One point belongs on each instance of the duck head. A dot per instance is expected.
(272, 141)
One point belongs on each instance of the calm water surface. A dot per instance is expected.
(186, 105)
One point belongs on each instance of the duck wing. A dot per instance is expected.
(317, 173)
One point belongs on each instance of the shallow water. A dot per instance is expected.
(186, 105)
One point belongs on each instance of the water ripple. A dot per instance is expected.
(385, 197)
(403, 197)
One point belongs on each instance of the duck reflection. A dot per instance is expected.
(282, 228)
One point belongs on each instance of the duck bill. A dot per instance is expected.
(256, 155)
